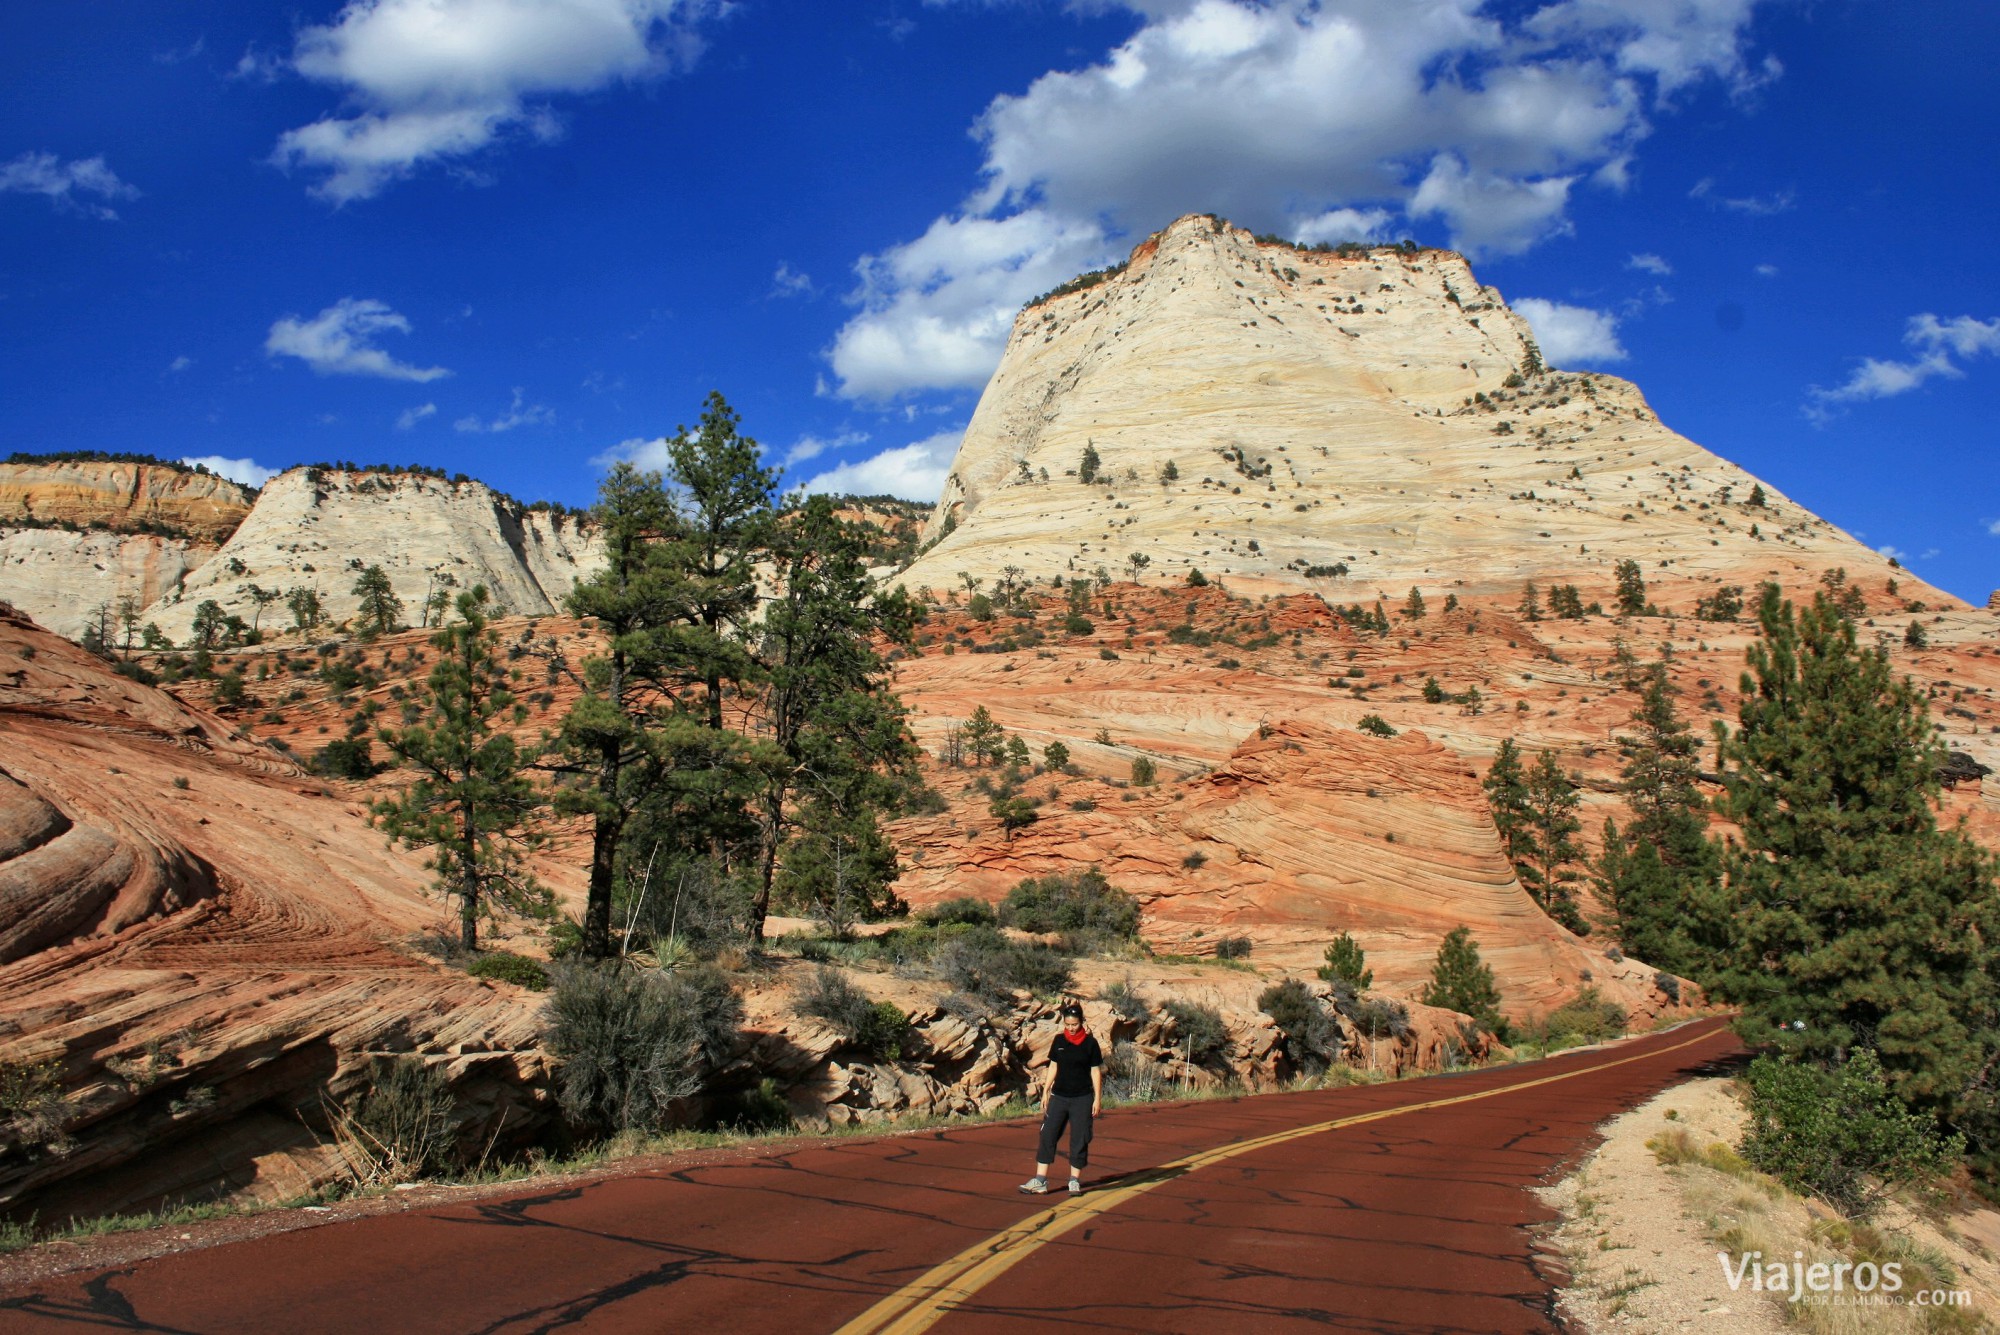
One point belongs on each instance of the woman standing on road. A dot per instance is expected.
(1072, 1096)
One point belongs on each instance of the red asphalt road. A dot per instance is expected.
(1418, 1222)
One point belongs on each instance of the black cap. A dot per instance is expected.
(1070, 1008)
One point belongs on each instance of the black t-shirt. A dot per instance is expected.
(1073, 1062)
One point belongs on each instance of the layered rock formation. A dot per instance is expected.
(79, 536)
(198, 940)
(122, 495)
(318, 528)
(1271, 415)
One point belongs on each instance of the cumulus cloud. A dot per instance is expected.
(340, 340)
(915, 472)
(1757, 206)
(519, 413)
(1324, 120)
(66, 184)
(646, 454)
(1571, 335)
(411, 416)
(1938, 345)
(180, 364)
(248, 472)
(1767, 271)
(440, 80)
(811, 447)
(1647, 263)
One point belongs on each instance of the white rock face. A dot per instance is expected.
(1321, 411)
(60, 577)
(319, 532)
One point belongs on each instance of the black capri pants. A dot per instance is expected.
(1072, 1110)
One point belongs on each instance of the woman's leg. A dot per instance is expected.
(1079, 1136)
(1053, 1121)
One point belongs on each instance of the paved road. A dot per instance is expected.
(1396, 1207)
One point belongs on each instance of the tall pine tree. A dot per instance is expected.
(472, 801)
(1462, 982)
(1857, 922)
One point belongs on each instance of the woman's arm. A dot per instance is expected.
(1096, 1089)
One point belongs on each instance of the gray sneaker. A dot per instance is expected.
(1076, 1186)
(1036, 1186)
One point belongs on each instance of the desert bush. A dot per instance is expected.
(402, 1127)
(507, 967)
(875, 1027)
(1587, 1016)
(981, 961)
(34, 1115)
(1125, 1003)
(346, 758)
(1377, 1017)
(633, 1041)
(696, 901)
(1840, 1134)
(1312, 1035)
(1131, 1076)
(1198, 1030)
(1376, 725)
(761, 1108)
(1233, 948)
(1084, 902)
(962, 910)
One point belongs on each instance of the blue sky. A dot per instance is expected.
(520, 238)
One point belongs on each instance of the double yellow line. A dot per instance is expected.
(918, 1305)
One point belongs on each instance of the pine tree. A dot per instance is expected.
(1550, 871)
(1086, 469)
(983, 737)
(380, 607)
(1657, 876)
(1347, 965)
(1506, 786)
(838, 739)
(1462, 982)
(472, 802)
(304, 605)
(1631, 589)
(1531, 602)
(1857, 923)
(1413, 607)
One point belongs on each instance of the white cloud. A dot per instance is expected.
(1652, 264)
(647, 455)
(1318, 119)
(1757, 206)
(340, 341)
(64, 183)
(180, 364)
(1894, 553)
(1767, 271)
(915, 472)
(248, 472)
(411, 416)
(1935, 342)
(811, 447)
(519, 413)
(1338, 225)
(936, 312)
(787, 282)
(1571, 335)
(437, 80)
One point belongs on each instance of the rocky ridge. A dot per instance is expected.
(1342, 422)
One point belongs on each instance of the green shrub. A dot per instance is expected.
(347, 758)
(981, 961)
(1376, 725)
(753, 1110)
(1198, 1030)
(1346, 963)
(965, 909)
(404, 1121)
(1830, 1132)
(1144, 772)
(874, 1027)
(1233, 948)
(507, 967)
(1587, 1016)
(1125, 1003)
(1084, 902)
(633, 1041)
(1312, 1037)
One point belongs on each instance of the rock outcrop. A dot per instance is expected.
(1374, 420)
(71, 580)
(197, 941)
(318, 528)
(122, 496)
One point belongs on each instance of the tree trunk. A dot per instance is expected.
(468, 888)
